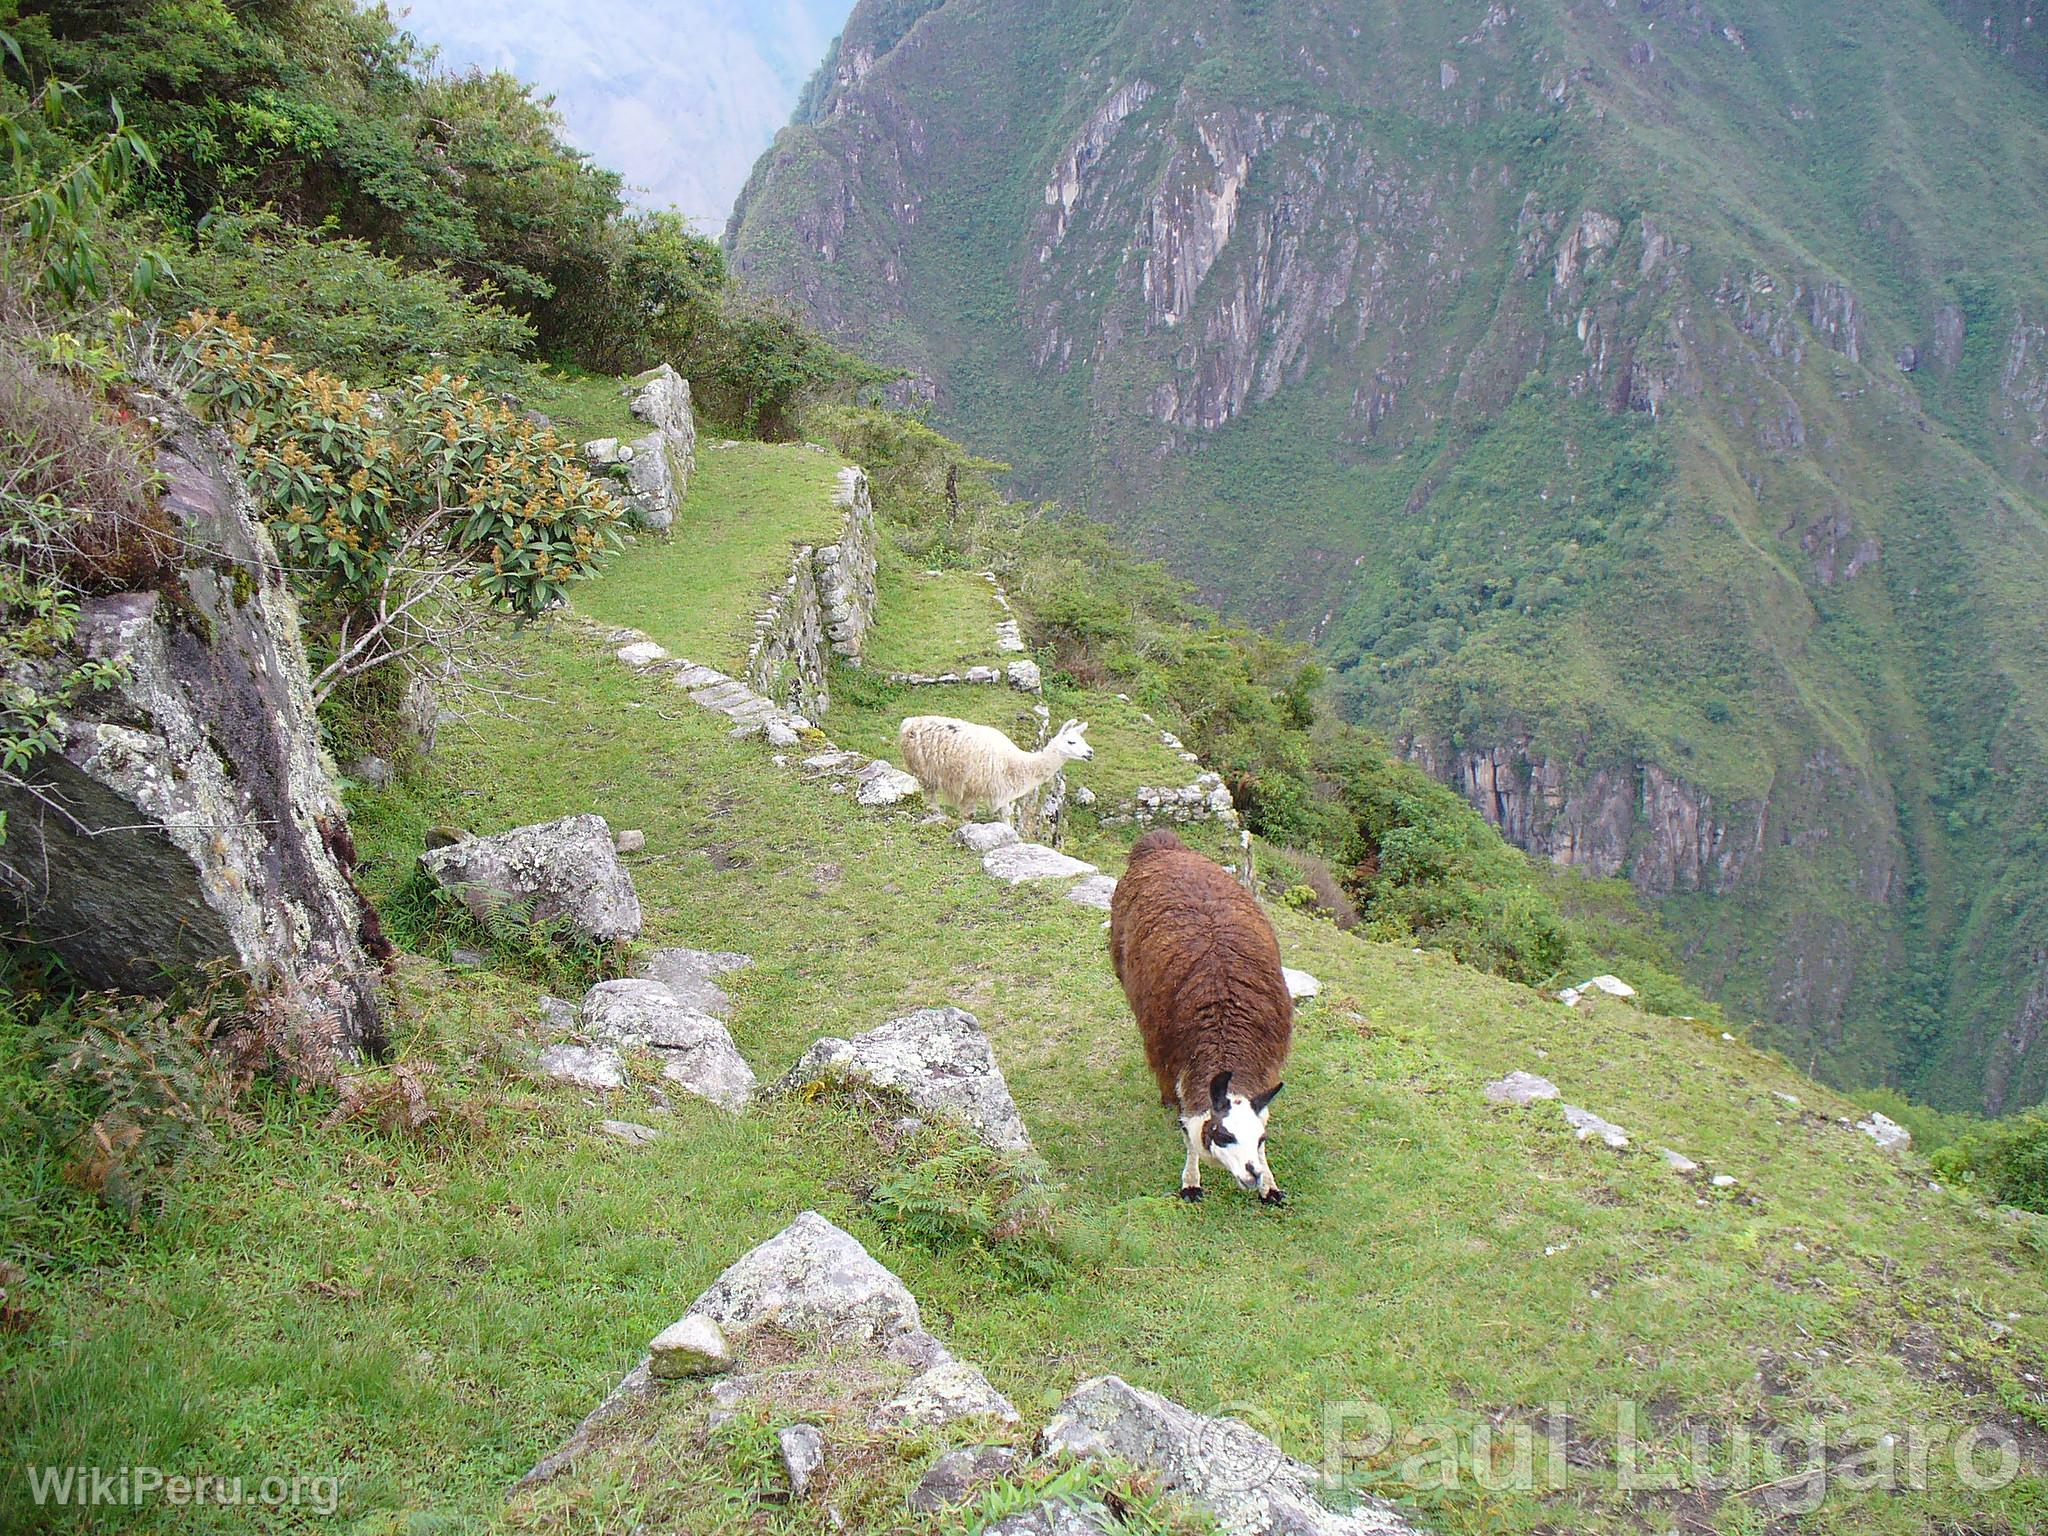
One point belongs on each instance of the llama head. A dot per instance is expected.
(1069, 743)
(1234, 1135)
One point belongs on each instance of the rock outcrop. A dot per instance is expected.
(184, 819)
(939, 1059)
(694, 1050)
(833, 1313)
(1247, 1483)
(565, 871)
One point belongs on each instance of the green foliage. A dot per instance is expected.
(334, 303)
(77, 516)
(2005, 1161)
(348, 483)
(761, 363)
(112, 1098)
(995, 1208)
(56, 193)
(424, 917)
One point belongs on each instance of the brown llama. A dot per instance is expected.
(1201, 968)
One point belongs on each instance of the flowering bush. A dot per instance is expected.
(351, 481)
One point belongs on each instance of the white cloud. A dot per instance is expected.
(678, 96)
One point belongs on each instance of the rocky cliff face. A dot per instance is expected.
(187, 820)
(1587, 380)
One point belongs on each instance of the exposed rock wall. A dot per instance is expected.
(187, 820)
(1614, 818)
(824, 609)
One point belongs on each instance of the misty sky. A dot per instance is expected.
(678, 96)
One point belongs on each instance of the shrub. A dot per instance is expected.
(2006, 1161)
(119, 1096)
(964, 1197)
(393, 510)
(334, 303)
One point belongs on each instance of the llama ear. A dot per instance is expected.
(1259, 1104)
(1219, 1093)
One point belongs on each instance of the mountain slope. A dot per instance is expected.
(1645, 407)
(419, 1311)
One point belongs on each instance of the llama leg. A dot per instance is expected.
(1191, 1170)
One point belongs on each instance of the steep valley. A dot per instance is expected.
(1643, 407)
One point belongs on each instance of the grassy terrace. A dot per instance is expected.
(932, 622)
(697, 590)
(428, 1316)
(582, 405)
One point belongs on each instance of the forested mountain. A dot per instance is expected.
(1642, 403)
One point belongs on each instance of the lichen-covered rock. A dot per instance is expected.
(1097, 891)
(986, 836)
(711, 1068)
(1519, 1088)
(583, 1065)
(1588, 1125)
(566, 870)
(1246, 1482)
(692, 976)
(803, 1454)
(939, 1059)
(695, 1050)
(811, 1277)
(1021, 862)
(883, 784)
(1054, 1517)
(185, 819)
(947, 1393)
(1886, 1132)
(956, 1475)
(693, 1345)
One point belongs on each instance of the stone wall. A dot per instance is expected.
(824, 609)
(652, 473)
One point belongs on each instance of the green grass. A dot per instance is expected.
(426, 1317)
(582, 405)
(932, 622)
(697, 590)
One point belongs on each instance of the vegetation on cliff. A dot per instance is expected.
(1640, 408)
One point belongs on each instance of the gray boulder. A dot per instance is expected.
(939, 1059)
(955, 1475)
(811, 1277)
(567, 870)
(695, 1050)
(713, 1069)
(986, 836)
(1097, 891)
(1519, 1088)
(1588, 1125)
(882, 784)
(690, 1346)
(803, 1454)
(1019, 862)
(950, 1391)
(1886, 1132)
(692, 976)
(582, 1065)
(1246, 1482)
(185, 819)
